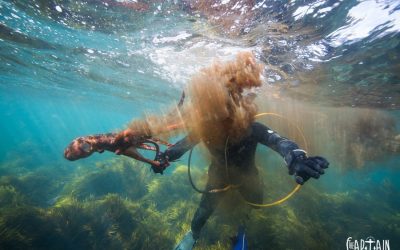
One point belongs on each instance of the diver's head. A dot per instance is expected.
(219, 107)
(78, 148)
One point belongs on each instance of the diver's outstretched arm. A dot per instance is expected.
(272, 139)
(299, 164)
(180, 148)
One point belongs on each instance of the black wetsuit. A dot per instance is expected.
(241, 165)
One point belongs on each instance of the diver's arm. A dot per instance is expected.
(272, 139)
(297, 161)
(180, 148)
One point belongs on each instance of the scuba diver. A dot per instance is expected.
(221, 115)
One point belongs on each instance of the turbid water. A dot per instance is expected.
(72, 68)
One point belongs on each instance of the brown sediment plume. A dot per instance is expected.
(217, 106)
(164, 125)
(348, 137)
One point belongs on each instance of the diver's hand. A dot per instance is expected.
(162, 163)
(303, 167)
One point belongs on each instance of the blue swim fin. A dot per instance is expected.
(240, 241)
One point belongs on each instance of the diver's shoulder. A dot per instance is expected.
(258, 125)
(258, 129)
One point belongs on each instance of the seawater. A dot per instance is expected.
(73, 68)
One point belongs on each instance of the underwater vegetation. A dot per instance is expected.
(71, 67)
(37, 188)
(120, 204)
(121, 179)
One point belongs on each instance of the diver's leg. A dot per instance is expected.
(206, 207)
(252, 191)
(209, 201)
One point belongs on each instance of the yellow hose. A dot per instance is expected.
(278, 202)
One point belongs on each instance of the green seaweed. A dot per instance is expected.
(39, 187)
(116, 176)
(10, 197)
(27, 227)
(119, 204)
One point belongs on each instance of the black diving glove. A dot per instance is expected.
(303, 167)
(164, 163)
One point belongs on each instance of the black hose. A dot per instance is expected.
(190, 176)
(156, 146)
